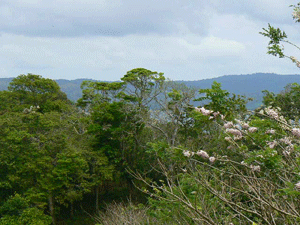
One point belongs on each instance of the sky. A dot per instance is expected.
(103, 39)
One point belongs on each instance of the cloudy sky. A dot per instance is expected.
(102, 39)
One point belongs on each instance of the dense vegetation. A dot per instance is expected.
(137, 152)
(245, 84)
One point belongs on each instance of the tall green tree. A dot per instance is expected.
(34, 90)
(219, 100)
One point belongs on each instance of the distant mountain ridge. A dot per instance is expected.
(250, 85)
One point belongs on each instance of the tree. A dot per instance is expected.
(34, 90)
(229, 105)
(44, 154)
(277, 37)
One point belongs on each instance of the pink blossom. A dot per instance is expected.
(187, 153)
(235, 132)
(252, 129)
(272, 113)
(245, 125)
(228, 125)
(296, 132)
(293, 58)
(203, 154)
(204, 111)
(216, 114)
(212, 159)
(237, 138)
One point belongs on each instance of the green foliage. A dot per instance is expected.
(287, 101)
(34, 90)
(17, 211)
(276, 36)
(221, 101)
(145, 83)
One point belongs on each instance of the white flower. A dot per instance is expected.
(252, 129)
(296, 132)
(203, 154)
(211, 117)
(212, 159)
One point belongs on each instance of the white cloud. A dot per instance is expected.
(103, 39)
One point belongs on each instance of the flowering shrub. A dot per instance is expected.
(256, 179)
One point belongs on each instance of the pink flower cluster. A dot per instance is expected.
(252, 129)
(296, 132)
(204, 111)
(235, 132)
(228, 125)
(203, 154)
(187, 153)
(245, 125)
(272, 113)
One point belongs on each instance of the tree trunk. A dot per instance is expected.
(72, 210)
(97, 198)
(51, 208)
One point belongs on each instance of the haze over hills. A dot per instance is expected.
(250, 85)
